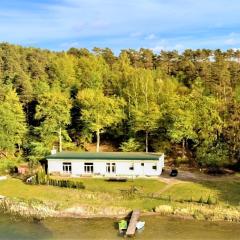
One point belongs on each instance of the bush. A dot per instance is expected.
(179, 160)
(66, 183)
(201, 200)
(210, 200)
(6, 165)
(131, 145)
(41, 177)
(212, 156)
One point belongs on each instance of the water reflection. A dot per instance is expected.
(156, 228)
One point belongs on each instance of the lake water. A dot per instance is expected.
(156, 228)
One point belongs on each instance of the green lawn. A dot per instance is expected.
(227, 192)
(99, 192)
(101, 185)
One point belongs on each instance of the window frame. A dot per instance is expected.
(88, 167)
(67, 167)
(154, 167)
(131, 167)
(110, 167)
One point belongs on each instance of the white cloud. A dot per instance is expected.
(134, 23)
(230, 41)
(158, 48)
(135, 34)
(150, 36)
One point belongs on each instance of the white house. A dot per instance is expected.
(105, 163)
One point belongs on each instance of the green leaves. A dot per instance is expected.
(131, 145)
(213, 155)
(12, 120)
(99, 111)
(53, 110)
(190, 98)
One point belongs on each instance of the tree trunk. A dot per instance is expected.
(146, 141)
(183, 148)
(60, 139)
(98, 140)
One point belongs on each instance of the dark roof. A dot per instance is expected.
(104, 155)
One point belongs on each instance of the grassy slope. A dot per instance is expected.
(97, 192)
(101, 193)
(227, 192)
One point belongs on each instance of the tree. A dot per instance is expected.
(213, 155)
(12, 121)
(181, 114)
(100, 111)
(61, 71)
(53, 110)
(146, 118)
(144, 110)
(131, 145)
(92, 71)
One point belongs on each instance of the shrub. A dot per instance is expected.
(178, 161)
(6, 165)
(213, 156)
(130, 146)
(210, 200)
(201, 200)
(41, 177)
(66, 183)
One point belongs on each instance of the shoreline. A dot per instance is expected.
(40, 210)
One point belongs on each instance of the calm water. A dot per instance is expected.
(156, 228)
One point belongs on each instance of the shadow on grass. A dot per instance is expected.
(226, 191)
(192, 185)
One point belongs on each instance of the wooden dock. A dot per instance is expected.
(132, 223)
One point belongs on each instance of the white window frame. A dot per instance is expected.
(88, 167)
(111, 167)
(67, 167)
(155, 167)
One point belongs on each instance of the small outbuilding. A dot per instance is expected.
(105, 164)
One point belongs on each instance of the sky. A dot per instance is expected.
(121, 24)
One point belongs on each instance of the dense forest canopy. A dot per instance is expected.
(139, 100)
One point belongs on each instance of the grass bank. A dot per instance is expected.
(103, 198)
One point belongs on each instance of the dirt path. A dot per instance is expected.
(170, 182)
(194, 176)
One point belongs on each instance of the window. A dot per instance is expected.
(154, 167)
(67, 167)
(131, 167)
(110, 167)
(142, 164)
(88, 167)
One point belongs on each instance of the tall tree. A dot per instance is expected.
(144, 112)
(12, 121)
(53, 110)
(181, 114)
(100, 111)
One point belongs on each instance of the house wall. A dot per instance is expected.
(123, 167)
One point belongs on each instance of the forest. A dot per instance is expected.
(183, 104)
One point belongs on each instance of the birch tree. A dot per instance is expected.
(99, 111)
(145, 112)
